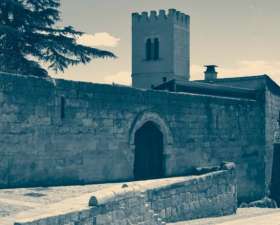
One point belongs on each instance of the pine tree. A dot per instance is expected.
(29, 38)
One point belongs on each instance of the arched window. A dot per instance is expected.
(148, 49)
(156, 49)
(152, 49)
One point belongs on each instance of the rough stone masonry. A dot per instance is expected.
(93, 139)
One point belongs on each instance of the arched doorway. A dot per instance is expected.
(148, 162)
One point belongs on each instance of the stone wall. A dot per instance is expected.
(56, 132)
(272, 110)
(270, 97)
(208, 196)
(149, 202)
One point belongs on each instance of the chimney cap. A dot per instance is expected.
(214, 66)
(210, 68)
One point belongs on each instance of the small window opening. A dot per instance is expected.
(152, 49)
(62, 108)
(156, 49)
(148, 49)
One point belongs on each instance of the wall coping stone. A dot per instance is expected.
(112, 194)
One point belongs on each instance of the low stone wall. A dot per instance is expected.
(209, 195)
(150, 202)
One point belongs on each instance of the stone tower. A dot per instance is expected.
(160, 47)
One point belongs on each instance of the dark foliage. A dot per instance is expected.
(28, 38)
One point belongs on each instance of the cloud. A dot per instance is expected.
(243, 68)
(122, 77)
(98, 40)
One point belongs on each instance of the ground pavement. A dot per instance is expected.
(244, 216)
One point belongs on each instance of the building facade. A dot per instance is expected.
(58, 132)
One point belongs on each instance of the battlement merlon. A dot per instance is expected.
(170, 15)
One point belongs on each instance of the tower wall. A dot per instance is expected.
(172, 30)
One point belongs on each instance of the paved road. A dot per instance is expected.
(14, 201)
(244, 216)
(271, 219)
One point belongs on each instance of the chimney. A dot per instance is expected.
(210, 73)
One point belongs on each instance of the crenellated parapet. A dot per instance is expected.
(172, 15)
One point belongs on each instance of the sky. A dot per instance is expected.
(242, 37)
